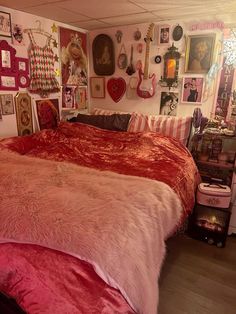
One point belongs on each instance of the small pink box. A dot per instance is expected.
(214, 195)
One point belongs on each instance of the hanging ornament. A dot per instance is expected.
(229, 49)
(158, 59)
(177, 33)
(140, 48)
(119, 35)
(57, 72)
(54, 28)
(139, 65)
(137, 35)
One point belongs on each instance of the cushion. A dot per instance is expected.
(176, 127)
(105, 112)
(114, 122)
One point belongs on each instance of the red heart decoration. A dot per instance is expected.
(116, 88)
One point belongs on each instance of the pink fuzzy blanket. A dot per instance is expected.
(116, 222)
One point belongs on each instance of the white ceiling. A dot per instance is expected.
(95, 14)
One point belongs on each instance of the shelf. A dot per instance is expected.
(216, 164)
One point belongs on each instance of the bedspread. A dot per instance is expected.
(150, 155)
(116, 222)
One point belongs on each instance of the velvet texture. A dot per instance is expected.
(148, 155)
(42, 280)
(114, 122)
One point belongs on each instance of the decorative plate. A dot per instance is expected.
(177, 33)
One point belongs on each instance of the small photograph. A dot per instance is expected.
(169, 102)
(47, 113)
(81, 97)
(7, 104)
(164, 34)
(192, 90)
(17, 35)
(68, 93)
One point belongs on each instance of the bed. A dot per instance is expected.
(85, 213)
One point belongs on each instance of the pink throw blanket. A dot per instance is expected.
(116, 222)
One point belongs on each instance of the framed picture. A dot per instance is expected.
(22, 65)
(7, 104)
(199, 53)
(18, 35)
(24, 114)
(5, 24)
(81, 97)
(74, 65)
(8, 82)
(47, 113)
(169, 102)
(164, 34)
(7, 58)
(68, 96)
(103, 55)
(192, 90)
(97, 87)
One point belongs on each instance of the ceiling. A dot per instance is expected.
(96, 14)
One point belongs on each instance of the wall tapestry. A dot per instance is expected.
(103, 55)
(73, 57)
(224, 91)
(47, 113)
(24, 114)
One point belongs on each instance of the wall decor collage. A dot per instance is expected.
(36, 77)
(111, 56)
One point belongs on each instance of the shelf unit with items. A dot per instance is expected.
(215, 156)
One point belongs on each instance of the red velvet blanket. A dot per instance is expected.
(149, 155)
(64, 282)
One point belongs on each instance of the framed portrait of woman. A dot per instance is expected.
(163, 34)
(192, 90)
(199, 53)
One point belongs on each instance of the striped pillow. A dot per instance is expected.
(106, 112)
(176, 127)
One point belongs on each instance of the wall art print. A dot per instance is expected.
(7, 104)
(47, 113)
(24, 114)
(68, 94)
(74, 66)
(169, 102)
(81, 97)
(192, 90)
(199, 53)
(97, 87)
(5, 24)
(18, 35)
(163, 34)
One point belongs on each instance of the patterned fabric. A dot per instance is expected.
(176, 127)
(43, 78)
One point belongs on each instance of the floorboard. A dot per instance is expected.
(198, 278)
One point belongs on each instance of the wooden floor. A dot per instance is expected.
(198, 278)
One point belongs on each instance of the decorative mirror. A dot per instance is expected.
(171, 68)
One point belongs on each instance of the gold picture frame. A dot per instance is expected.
(24, 114)
(199, 53)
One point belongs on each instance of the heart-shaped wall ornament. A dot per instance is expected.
(116, 88)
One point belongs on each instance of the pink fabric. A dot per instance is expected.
(46, 281)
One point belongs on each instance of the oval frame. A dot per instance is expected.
(103, 55)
